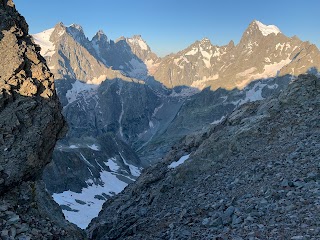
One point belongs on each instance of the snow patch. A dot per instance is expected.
(270, 70)
(201, 84)
(111, 163)
(179, 162)
(73, 147)
(138, 41)
(193, 51)
(94, 147)
(218, 121)
(135, 171)
(43, 39)
(78, 88)
(267, 29)
(83, 211)
(97, 80)
(138, 69)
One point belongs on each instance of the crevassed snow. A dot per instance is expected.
(111, 163)
(83, 213)
(179, 162)
(267, 29)
(43, 39)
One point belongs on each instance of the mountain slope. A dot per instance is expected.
(253, 175)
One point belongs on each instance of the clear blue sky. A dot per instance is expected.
(171, 25)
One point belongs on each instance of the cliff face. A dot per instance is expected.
(30, 124)
(30, 113)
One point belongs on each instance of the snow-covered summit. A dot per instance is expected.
(43, 39)
(267, 29)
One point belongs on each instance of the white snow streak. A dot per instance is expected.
(179, 162)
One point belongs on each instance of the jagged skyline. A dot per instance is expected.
(171, 26)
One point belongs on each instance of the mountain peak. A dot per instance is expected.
(266, 29)
(138, 41)
(205, 39)
(60, 24)
(76, 26)
(76, 31)
(137, 37)
(100, 32)
(204, 42)
(100, 35)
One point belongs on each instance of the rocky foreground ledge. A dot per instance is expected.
(30, 124)
(256, 175)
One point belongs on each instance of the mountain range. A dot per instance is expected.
(162, 156)
(126, 107)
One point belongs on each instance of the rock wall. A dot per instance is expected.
(30, 124)
(30, 113)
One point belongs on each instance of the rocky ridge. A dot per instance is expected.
(259, 54)
(253, 176)
(30, 124)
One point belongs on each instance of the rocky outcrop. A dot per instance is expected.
(30, 124)
(254, 175)
(31, 119)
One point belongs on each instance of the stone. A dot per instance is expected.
(13, 219)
